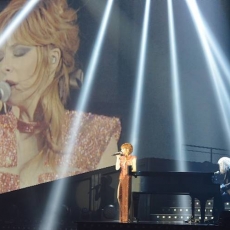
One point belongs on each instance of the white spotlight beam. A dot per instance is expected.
(217, 81)
(177, 111)
(17, 20)
(212, 41)
(56, 196)
(135, 124)
(216, 49)
(89, 79)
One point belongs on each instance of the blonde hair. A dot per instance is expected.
(51, 24)
(224, 164)
(127, 146)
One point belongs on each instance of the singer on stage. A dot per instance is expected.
(40, 139)
(123, 160)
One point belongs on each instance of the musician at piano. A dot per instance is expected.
(224, 196)
(37, 61)
(123, 161)
(224, 167)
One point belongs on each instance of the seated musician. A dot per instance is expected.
(224, 167)
(218, 204)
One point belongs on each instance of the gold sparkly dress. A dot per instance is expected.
(124, 188)
(95, 133)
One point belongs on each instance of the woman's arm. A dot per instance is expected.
(118, 162)
(134, 164)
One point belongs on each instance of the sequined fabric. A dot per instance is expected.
(81, 152)
(124, 188)
(8, 152)
(9, 182)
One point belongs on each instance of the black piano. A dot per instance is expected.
(198, 185)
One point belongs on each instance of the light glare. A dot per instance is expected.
(17, 20)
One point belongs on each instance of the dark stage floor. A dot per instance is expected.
(115, 225)
(147, 226)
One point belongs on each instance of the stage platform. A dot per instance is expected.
(147, 226)
(112, 225)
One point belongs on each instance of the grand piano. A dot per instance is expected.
(198, 185)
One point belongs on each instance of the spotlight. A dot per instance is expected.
(177, 100)
(213, 53)
(138, 90)
(17, 20)
(58, 191)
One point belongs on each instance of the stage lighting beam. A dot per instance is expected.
(176, 97)
(207, 41)
(89, 79)
(138, 89)
(17, 20)
(217, 51)
(49, 220)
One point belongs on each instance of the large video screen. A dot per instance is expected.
(44, 134)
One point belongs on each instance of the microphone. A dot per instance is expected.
(5, 91)
(118, 153)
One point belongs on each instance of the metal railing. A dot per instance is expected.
(208, 150)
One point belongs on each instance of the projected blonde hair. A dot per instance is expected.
(50, 24)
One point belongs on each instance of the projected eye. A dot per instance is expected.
(20, 51)
(1, 55)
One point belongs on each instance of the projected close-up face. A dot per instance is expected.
(18, 64)
(41, 139)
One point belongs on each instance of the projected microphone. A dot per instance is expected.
(117, 153)
(5, 91)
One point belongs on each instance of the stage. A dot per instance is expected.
(84, 208)
(114, 225)
(146, 226)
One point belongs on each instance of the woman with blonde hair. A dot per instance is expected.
(36, 62)
(123, 162)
